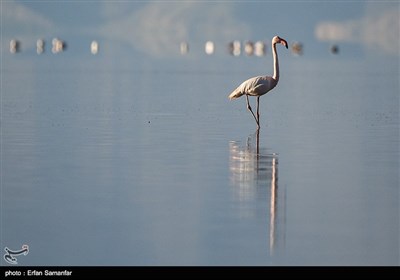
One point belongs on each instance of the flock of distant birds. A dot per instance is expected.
(235, 48)
(58, 46)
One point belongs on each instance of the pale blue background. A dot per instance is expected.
(135, 156)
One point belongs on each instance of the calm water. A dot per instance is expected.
(110, 165)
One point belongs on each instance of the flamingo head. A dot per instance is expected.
(279, 40)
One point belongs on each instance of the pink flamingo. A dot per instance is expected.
(260, 85)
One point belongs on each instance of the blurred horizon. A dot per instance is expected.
(155, 30)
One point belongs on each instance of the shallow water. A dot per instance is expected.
(147, 166)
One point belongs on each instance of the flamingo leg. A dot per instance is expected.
(249, 108)
(258, 111)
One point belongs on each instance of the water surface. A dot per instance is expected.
(146, 166)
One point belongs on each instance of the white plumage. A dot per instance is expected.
(256, 86)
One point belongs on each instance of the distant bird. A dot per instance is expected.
(335, 49)
(260, 85)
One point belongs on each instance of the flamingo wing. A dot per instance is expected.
(256, 86)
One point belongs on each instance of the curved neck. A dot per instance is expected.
(276, 63)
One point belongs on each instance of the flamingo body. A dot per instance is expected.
(256, 86)
(260, 85)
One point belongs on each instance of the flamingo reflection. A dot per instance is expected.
(254, 173)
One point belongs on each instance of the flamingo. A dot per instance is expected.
(258, 86)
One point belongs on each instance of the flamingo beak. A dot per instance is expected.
(284, 43)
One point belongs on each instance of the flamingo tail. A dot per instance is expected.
(235, 94)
